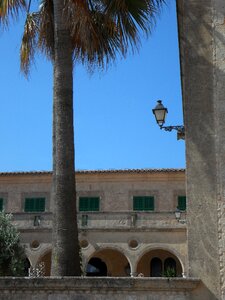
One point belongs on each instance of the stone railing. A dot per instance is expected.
(105, 220)
(122, 220)
(100, 288)
(24, 221)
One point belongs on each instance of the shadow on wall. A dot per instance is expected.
(203, 293)
(46, 260)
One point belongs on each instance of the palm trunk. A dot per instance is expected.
(65, 252)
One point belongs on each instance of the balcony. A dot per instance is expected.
(130, 220)
(32, 221)
(105, 221)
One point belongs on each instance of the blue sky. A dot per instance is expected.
(114, 124)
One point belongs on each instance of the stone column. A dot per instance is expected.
(202, 49)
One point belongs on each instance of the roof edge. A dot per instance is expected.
(163, 170)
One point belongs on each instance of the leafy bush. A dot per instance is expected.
(12, 254)
(169, 272)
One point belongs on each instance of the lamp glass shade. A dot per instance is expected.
(160, 113)
(177, 214)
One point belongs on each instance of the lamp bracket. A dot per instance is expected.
(179, 128)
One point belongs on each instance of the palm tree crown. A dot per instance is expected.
(100, 29)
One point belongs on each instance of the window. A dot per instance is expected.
(89, 204)
(34, 205)
(143, 203)
(181, 203)
(170, 267)
(156, 267)
(1, 204)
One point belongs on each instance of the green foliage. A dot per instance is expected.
(12, 254)
(169, 272)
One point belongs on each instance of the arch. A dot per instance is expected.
(96, 267)
(149, 264)
(116, 262)
(46, 259)
(173, 251)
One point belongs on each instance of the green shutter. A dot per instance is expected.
(40, 204)
(137, 203)
(82, 204)
(182, 202)
(149, 203)
(1, 204)
(28, 205)
(143, 203)
(94, 204)
(34, 205)
(89, 204)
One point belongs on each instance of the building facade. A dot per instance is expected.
(126, 219)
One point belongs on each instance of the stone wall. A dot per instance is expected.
(115, 189)
(115, 226)
(100, 288)
(202, 40)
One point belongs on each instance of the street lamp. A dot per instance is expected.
(37, 220)
(160, 113)
(177, 214)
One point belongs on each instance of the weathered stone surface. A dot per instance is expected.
(202, 40)
(69, 288)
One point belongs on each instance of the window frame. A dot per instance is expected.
(37, 207)
(89, 207)
(183, 206)
(142, 205)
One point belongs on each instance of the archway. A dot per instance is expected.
(96, 267)
(108, 262)
(170, 267)
(46, 259)
(26, 267)
(159, 263)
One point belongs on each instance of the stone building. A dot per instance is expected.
(126, 218)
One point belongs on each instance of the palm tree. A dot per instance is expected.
(93, 32)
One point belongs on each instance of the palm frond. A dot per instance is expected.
(102, 28)
(94, 35)
(29, 41)
(46, 28)
(10, 9)
(132, 17)
(38, 35)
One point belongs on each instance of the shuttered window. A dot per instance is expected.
(143, 203)
(34, 205)
(89, 204)
(1, 204)
(181, 202)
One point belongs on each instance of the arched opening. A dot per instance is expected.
(26, 267)
(156, 267)
(45, 260)
(170, 267)
(96, 267)
(159, 263)
(108, 262)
